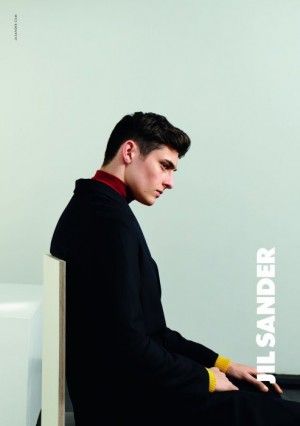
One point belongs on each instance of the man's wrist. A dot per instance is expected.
(222, 363)
(211, 380)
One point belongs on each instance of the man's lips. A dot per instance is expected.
(158, 192)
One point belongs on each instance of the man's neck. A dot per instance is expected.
(115, 171)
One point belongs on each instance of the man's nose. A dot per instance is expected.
(169, 181)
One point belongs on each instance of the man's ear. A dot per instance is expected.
(129, 151)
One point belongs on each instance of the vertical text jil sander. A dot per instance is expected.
(265, 293)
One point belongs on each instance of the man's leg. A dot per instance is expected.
(235, 408)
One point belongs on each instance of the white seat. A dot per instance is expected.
(54, 332)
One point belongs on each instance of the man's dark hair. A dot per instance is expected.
(150, 131)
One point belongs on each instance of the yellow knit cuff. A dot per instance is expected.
(211, 380)
(222, 363)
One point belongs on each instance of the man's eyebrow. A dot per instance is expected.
(169, 165)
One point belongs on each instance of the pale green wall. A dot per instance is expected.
(227, 72)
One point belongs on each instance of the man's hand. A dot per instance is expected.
(222, 382)
(244, 372)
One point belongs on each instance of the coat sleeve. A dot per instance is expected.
(136, 351)
(175, 342)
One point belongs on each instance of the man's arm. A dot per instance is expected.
(175, 342)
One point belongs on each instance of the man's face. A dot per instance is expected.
(149, 176)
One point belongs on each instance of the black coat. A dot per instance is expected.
(124, 365)
(115, 320)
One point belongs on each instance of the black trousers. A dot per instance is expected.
(246, 407)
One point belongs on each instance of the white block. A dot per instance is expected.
(20, 354)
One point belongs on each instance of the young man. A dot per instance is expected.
(124, 365)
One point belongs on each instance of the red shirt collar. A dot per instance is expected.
(115, 183)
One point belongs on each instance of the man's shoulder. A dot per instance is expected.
(102, 205)
(95, 214)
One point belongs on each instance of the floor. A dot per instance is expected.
(292, 394)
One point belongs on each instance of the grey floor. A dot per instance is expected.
(293, 394)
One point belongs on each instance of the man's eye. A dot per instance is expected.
(163, 166)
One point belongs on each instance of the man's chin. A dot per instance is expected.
(147, 201)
